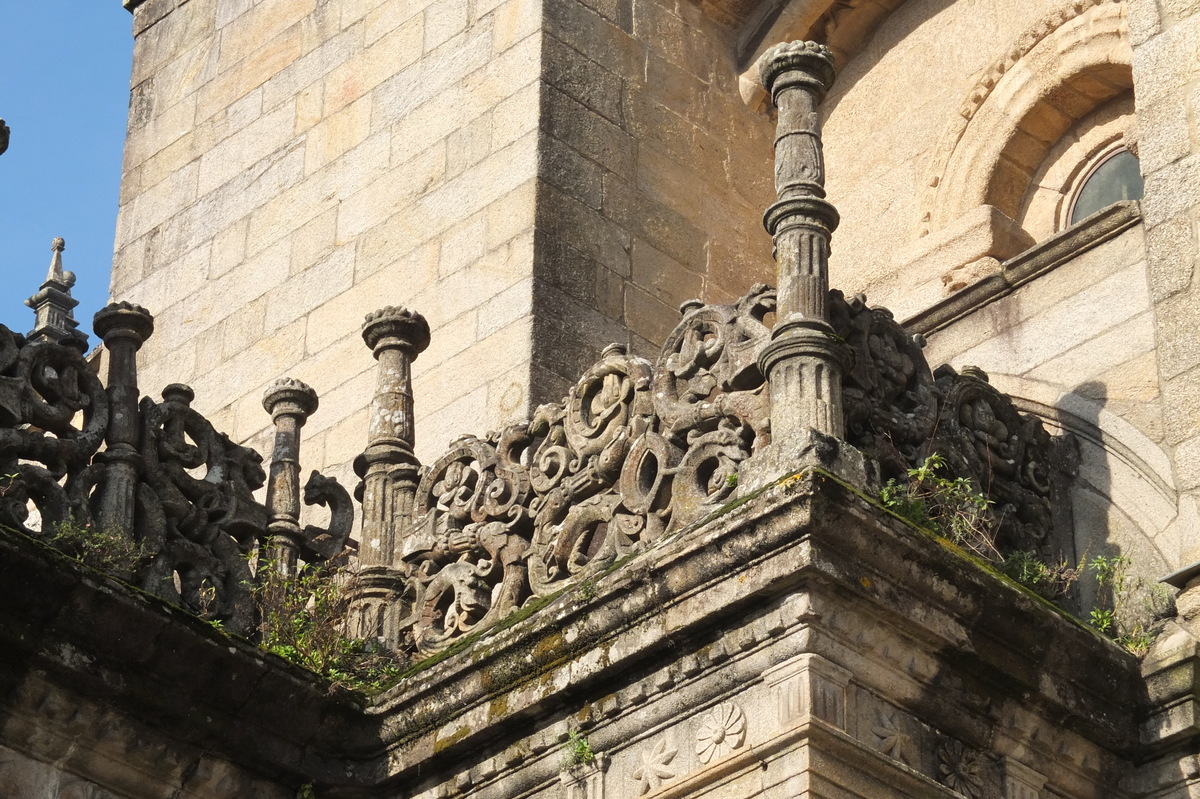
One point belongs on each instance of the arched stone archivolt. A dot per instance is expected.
(1048, 202)
(1060, 71)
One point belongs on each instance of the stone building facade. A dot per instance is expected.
(676, 582)
(540, 180)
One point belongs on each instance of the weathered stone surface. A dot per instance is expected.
(794, 579)
(541, 180)
(183, 707)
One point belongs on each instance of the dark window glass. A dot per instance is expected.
(1115, 179)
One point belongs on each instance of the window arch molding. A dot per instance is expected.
(1095, 139)
(1060, 71)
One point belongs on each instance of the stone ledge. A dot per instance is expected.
(147, 12)
(130, 655)
(1021, 269)
(769, 576)
(806, 534)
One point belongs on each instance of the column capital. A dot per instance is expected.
(806, 63)
(123, 320)
(396, 328)
(290, 397)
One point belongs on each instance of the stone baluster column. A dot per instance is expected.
(123, 327)
(389, 470)
(290, 403)
(803, 361)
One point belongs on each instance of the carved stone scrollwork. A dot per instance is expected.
(580, 521)
(708, 369)
(899, 412)
(465, 559)
(197, 511)
(53, 415)
(167, 481)
(634, 452)
(327, 544)
(889, 394)
(1008, 454)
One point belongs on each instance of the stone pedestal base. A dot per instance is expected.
(812, 450)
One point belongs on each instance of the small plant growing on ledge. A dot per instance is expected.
(303, 621)
(1049, 580)
(103, 550)
(950, 507)
(1128, 616)
(953, 509)
(579, 751)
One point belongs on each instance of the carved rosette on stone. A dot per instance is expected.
(722, 730)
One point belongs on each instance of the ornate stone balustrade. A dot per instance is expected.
(636, 454)
(179, 491)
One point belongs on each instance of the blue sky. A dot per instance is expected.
(64, 91)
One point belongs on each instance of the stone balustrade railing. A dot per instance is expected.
(636, 453)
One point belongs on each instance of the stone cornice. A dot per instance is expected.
(147, 12)
(115, 648)
(800, 533)
(778, 574)
(1029, 265)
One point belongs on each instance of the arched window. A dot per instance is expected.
(1115, 177)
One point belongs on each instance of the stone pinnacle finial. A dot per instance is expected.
(290, 402)
(390, 473)
(394, 327)
(53, 304)
(288, 395)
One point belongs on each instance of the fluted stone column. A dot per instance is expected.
(803, 361)
(389, 470)
(290, 403)
(123, 327)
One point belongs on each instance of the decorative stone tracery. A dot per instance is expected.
(179, 491)
(635, 454)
